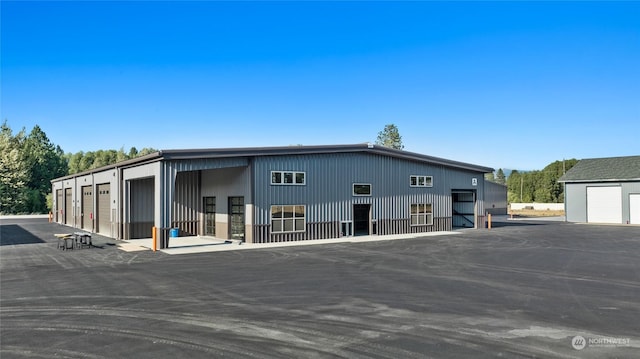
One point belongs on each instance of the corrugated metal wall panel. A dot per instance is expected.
(329, 179)
(186, 204)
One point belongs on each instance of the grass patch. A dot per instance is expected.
(535, 213)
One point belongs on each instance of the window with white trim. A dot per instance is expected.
(421, 214)
(421, 181)
(362, 189)
(286, 219)
(287, 178)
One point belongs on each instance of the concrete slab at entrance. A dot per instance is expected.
(189, 245)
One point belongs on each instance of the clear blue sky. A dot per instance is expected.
(503, 84)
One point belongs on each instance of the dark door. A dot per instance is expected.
(236, 218)
(361, 219)
(210, 216)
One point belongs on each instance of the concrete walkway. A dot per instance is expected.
(195, 244)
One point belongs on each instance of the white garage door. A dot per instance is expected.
(634, 208)
(604, 204)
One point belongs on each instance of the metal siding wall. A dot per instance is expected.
(329, 179)
(207, 163)
(495, 198)
(186, 204)
(627, 189)
(576, 202)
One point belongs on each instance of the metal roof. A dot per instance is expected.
(608, 169)
(183, 154)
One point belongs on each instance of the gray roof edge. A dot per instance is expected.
(126, 163)
(181, 154)
(318, 149)
(595, 180)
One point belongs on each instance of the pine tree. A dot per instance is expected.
(390, 137)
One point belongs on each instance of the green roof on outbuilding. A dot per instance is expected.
(604, 169)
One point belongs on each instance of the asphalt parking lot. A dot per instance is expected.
(520, 290)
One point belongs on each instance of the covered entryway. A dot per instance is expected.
(361, 219)
(634, 208)
(103, 218)
(87, 208)
(464, 204)
(604, 204)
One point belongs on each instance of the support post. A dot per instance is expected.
(489, 220)
(154, 236)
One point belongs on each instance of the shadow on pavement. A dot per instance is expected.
(13, 234)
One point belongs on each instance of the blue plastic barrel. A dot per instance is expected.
(173, 232)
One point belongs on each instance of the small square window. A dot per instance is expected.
(361, 189)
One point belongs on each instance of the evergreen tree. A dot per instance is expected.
(500, 176)
(44, 162)
(390, 137)
(13, 171)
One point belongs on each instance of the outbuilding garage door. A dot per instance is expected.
(68, 206)
(634, 208)
(604, 204)
(103, 216)
(87, 208)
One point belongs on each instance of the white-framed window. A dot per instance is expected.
(288, 178)
(420, 181)
(421, 214)
(362, 189)
(288, 218)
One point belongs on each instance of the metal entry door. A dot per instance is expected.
(361, 219)
(236, 218)
(210, 216)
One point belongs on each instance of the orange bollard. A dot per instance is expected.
(489, 220)
(154, 236)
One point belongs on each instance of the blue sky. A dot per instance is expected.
(501, 84)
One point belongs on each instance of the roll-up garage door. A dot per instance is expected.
(68, 206)
(604, 204)
(59, 205)
(103, 216)
(87, 207)
(634, 208)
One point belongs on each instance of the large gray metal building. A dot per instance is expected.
(274, 194)
(603, 190)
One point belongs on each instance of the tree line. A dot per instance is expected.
(535, 186)
(29, 161)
